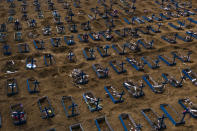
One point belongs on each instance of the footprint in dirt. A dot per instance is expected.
(82, 18)
(97, 25)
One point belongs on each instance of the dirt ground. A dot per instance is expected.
(55, 81)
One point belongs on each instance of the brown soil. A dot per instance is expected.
(55, 81)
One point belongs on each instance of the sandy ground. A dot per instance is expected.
(55, 81)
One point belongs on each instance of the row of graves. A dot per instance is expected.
(179, 16)
(108, 34)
